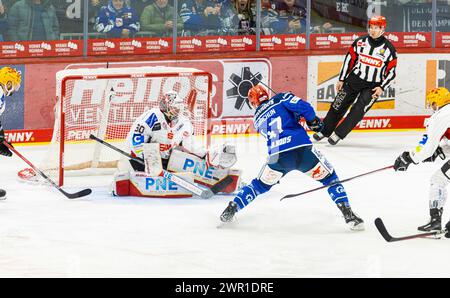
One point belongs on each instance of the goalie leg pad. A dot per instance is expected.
(121, 184)
(438, 188)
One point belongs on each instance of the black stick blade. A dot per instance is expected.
(221, 185)
(82, 193)
(382, 229)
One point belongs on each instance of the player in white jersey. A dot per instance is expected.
(10, 80)
(170, 127)
(437, 135)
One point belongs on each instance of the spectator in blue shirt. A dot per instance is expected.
(200, 17)
(117, 20)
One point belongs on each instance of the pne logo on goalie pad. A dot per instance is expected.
(198, 168)
(159, 184)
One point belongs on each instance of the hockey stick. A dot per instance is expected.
(332, 184)
(76, 195)
(383, 231)
(264, 84)
(203, 193)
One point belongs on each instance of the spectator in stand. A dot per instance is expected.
(157, 18)
(200, 17)
(238, 17)
(3, 22)
(117, 20)
(140, 5)
(270, 22)
(293, 16)
(23, 25)
(94, 8)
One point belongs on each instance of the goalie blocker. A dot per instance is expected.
(192, 168)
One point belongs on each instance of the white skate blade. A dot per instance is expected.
(358, 227)
(227, 224)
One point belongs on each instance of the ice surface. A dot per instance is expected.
(44, 234)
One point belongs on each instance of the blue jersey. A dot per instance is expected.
(278, 121)
(112, 21)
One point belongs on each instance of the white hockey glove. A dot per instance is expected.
(223, 157)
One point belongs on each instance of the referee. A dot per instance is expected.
(368, 69)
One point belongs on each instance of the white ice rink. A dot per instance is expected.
(43, 234)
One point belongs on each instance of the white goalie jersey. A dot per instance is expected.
(153, 127)
(437, 133)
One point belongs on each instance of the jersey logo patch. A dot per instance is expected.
(371, 61)
(151, 120)
(138, 139)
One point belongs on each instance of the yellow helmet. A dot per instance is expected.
(10, 78)
(438, 96)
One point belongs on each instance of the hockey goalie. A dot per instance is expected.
(164, 138)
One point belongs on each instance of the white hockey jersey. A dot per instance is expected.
(437, 126)
(152, 127)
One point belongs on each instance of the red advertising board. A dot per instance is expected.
(48, 48)
(28, 135)
(283, 42)
(241, 127)
(410, 39)
(443, 39)
(216, 43)
(398, 39)
(133, 46)
(333, 41)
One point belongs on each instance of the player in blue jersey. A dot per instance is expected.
(290, 148)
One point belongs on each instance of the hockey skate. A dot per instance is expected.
(353, 220)
(2, 194)
(447, 230)
(435, 221)
(333, 139)
(318, 136)
(229, 212)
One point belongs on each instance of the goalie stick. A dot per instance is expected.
(76, 195)
(383, 231)
(334, 183)
(203, 193)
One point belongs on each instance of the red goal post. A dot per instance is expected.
(105, 102)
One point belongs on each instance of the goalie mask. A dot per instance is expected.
(10, 78)
(172, 105)
(437, 98)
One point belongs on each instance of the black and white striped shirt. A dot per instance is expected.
(371, 60)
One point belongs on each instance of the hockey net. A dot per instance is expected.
(105, 102)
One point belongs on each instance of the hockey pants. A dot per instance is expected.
(354, 88)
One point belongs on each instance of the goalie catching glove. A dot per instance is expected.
(223, 157)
